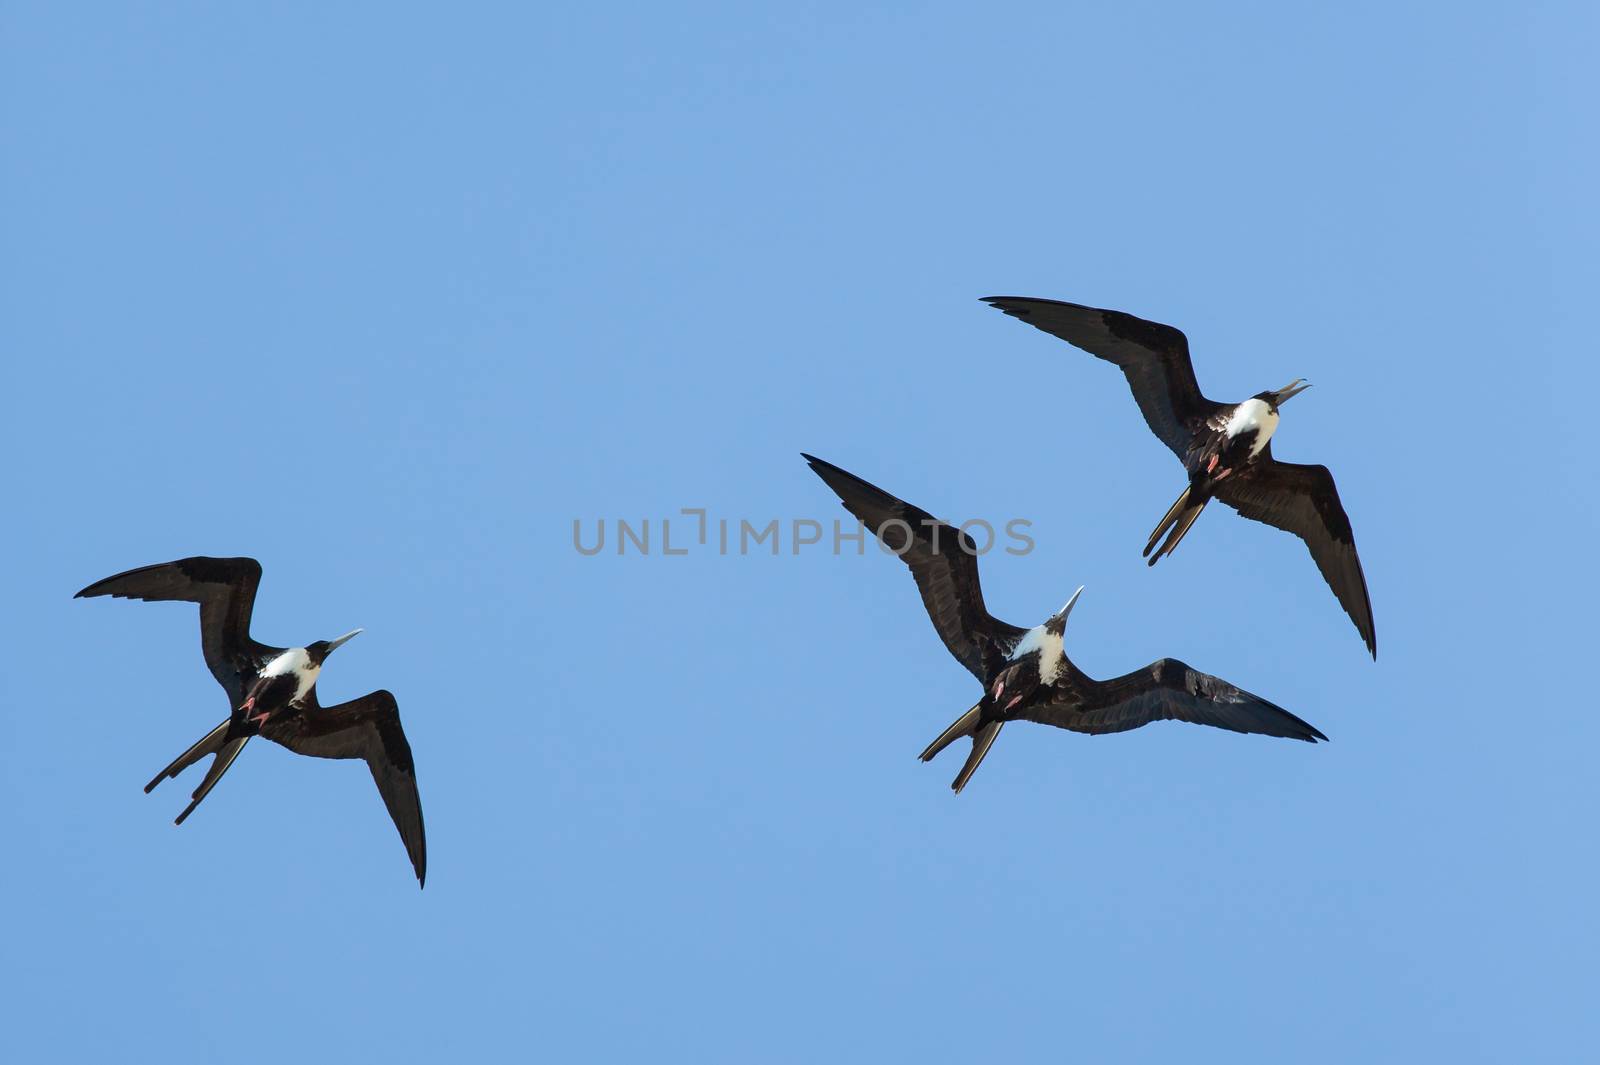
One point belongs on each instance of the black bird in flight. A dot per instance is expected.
(272, 691)
(1026, 674)
(1225, 447)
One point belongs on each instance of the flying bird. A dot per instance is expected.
(1025, 673)
(1225, 447)
(272, 691)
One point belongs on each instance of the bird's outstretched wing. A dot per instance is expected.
(943, 560)
(1169, 690)
(1303, 500)
(225, 588)
(369, 728)
(1153, 357)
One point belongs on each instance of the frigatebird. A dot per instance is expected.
(1025, 673)
(1225, 447)
(272, 691)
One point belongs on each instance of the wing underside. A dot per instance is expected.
(943, 561)
(367, 728)
(225, 589)
(1153, 357)
(1169, 690)
(1304, 500)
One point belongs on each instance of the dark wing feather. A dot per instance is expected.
(369, 728)
(943, 560)
(1153, 357)
(225, 588)
(1168, 690)
(1303, 500)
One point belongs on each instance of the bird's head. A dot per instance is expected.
(1276, 398)
(1057, 622)
(320, 650)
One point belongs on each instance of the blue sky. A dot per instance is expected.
(388, 296)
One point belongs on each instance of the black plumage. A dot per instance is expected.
(1025, 673)
(272, 691)
(1218, 443)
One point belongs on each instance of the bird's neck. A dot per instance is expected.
(299, 664)
(1048, 646)
(1253, 415)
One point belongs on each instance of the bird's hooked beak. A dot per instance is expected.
(333, 645)
(1289, 391)
(1058, 620)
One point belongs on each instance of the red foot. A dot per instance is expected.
(254, 719)
(1015, 699)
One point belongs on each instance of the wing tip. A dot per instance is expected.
(1011, 305)
(1301, 728)
(821, 467)
(848, 486)
(1304, 730)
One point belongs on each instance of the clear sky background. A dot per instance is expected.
(387, 296)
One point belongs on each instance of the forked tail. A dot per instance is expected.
(210, 743)
(215, 742)
(983, 736)
(1179, 517)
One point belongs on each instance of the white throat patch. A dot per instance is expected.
(1049, 646)
(295, 660)
(1254, 414)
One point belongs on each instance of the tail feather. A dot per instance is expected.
(964, 725)
(210, 743)
(982, 740)
(1180, 530)
(219, 765)
(1166, 521)
(1179, 519)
